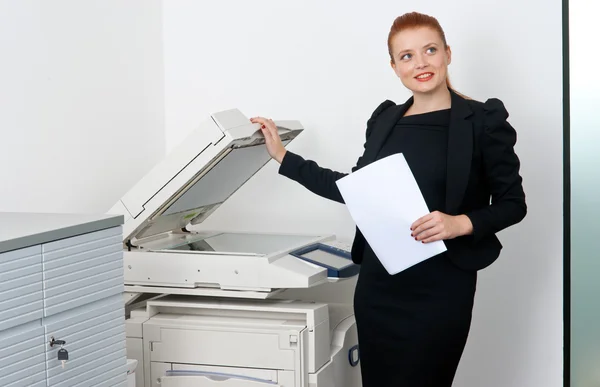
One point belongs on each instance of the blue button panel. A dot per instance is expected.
(338, 262)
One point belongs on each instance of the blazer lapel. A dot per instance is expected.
(460, 153)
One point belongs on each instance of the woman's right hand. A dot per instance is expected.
(272, 140)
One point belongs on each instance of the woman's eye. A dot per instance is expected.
(405, 57)
(431, 50)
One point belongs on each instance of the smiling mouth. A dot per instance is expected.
(424, 77)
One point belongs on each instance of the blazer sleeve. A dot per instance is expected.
(501, 168)
(319, 180)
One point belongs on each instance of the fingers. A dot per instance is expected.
(428, 222)
(435, 231)
(268, 126)
(272, 128)
(264, 127)
(259, 120)
(433, 238)
(429, 228)
(420, 221)
(267, 122)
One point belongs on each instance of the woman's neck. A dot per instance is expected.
(428, 102)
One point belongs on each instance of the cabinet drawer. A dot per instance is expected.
(21, 296)
(22, 359)
(95, 339)
(82, 269)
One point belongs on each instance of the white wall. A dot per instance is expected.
(326, 64)
(81, 101)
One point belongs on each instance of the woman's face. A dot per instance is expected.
(420, 59)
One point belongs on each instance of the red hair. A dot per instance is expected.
(416, 20)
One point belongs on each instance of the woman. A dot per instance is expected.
(413, 326)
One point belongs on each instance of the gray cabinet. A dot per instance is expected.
(69, 287)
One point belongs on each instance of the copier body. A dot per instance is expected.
(202, 304)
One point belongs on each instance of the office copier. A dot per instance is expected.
(203, 306)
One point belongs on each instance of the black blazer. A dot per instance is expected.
(482, 165)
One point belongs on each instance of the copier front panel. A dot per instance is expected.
(270, 341)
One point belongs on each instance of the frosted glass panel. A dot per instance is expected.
(585, 192)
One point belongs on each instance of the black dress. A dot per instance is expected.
(413, 326)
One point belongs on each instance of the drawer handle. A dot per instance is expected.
(217, 376)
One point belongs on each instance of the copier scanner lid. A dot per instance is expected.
(198, 176)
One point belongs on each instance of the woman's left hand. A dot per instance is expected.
(439, 226)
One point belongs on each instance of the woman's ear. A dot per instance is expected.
(394, 67)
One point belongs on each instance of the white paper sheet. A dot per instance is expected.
(384, 200)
